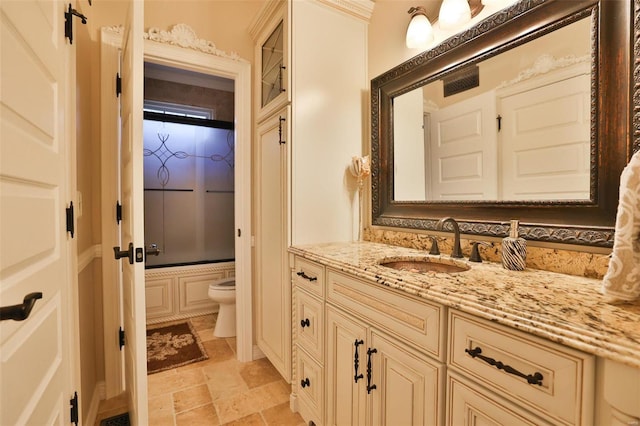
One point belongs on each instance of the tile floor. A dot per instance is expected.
(217, 391)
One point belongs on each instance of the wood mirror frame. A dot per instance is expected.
(615, 83)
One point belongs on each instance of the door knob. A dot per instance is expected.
(124, 253)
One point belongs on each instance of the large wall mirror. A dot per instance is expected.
(528, 115)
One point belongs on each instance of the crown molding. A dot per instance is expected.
(181, 35)
(269, 11)
(362, 9)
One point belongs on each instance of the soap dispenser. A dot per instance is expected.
(514, 250)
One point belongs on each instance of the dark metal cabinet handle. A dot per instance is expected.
(533, 379)
(305, 276)
(304, 383)
(20, 312)
(280, 140)
(370, 387)
(119, 254)
(305, 323)
(356, 361)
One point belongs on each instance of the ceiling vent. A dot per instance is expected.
(460, 81)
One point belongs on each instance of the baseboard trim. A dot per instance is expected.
(99, 394)
(257, 353)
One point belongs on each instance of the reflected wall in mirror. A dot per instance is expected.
(522, 133)
(536, 125)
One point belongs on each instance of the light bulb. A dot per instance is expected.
(454, 13)
(419, 32)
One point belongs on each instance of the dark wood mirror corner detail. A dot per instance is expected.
(614, 128)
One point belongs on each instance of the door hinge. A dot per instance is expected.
(121, 337)
(118, 212)
(118, 84)
(74, 408)
(68, 22)
(70, 221)
(499, 118)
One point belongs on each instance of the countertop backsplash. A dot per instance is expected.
(578, 263)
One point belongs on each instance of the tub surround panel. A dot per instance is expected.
(562, 308)
(578, 263)
(179, 292)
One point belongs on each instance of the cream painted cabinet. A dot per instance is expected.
(369, 355)
(381, 362)
(501, 371)
(272, 294)
(375, 379)
(308, 385)
(308, 112)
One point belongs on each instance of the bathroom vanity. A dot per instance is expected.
(376, 345)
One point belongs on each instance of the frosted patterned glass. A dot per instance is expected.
(189, 192)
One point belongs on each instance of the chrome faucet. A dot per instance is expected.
(457, 250)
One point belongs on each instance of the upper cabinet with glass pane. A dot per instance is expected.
(272, 68)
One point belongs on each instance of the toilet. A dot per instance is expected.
(223, 292)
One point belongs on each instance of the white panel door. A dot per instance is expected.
(464, 150)
(36, 143)
(273, 281)
(132, 225)
(545, 141)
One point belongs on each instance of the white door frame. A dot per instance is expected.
(180, 48)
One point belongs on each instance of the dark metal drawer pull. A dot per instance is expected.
(370, 387)
(356, 361)
(306, 277)
(305, 323)
(22, 311)
(304, 383)
(534, 379)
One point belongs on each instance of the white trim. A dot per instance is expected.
(184, 36)
(111, 39)
(98, 395)
(89, 255)
(546, 64)
(361, 9)
(257, 352)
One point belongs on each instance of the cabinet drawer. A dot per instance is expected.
(564, 395)
(309, 326)
(308, 275)
(416, 321)
(470, 404)
(310, 387)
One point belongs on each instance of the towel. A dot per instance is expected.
(622, 280)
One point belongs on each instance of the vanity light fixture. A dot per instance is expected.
(453, 14)
(419, 32)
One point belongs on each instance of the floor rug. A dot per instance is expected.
(119, 420)
(171, 346)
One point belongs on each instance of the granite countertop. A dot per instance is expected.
(563, 308)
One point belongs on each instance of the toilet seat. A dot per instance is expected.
(226, 284)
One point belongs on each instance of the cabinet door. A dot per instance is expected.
(346, 395)
(470, 404)
(408, 386)
(273, 282)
